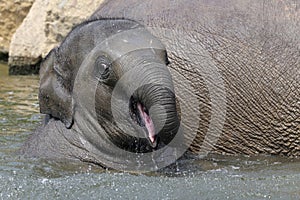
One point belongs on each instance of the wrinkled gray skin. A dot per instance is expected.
(240, 60)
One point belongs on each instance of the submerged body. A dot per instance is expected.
(235, 67)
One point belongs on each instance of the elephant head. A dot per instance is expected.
(111, 75)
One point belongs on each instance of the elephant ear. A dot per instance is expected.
(54, 96)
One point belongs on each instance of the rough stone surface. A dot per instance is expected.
(12, 13)
(46, 24)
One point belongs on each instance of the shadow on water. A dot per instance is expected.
(215, 177)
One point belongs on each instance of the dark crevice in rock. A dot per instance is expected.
(4, 56)
(24, 70)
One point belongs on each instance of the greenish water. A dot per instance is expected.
(215, 177)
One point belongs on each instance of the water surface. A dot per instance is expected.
(216, 177)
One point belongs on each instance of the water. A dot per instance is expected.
(216, 177)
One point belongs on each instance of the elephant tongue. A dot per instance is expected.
(148, 123)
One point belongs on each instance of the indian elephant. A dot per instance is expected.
(142, 82)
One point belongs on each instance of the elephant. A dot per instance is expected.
(141, 83)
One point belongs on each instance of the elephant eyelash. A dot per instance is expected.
(105, 75)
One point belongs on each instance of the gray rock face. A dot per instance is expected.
(46, 24)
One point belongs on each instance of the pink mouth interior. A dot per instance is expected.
(148, 123)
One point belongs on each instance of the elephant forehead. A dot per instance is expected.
(130, 40)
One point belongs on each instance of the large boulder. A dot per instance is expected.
(46, 24)
(12, 13)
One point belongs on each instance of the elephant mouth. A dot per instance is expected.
(140, 115)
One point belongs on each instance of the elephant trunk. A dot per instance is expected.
(153, 105)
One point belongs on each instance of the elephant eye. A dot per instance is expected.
(102, 68)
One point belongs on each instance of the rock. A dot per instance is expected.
(12, 13)
(46, 24)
